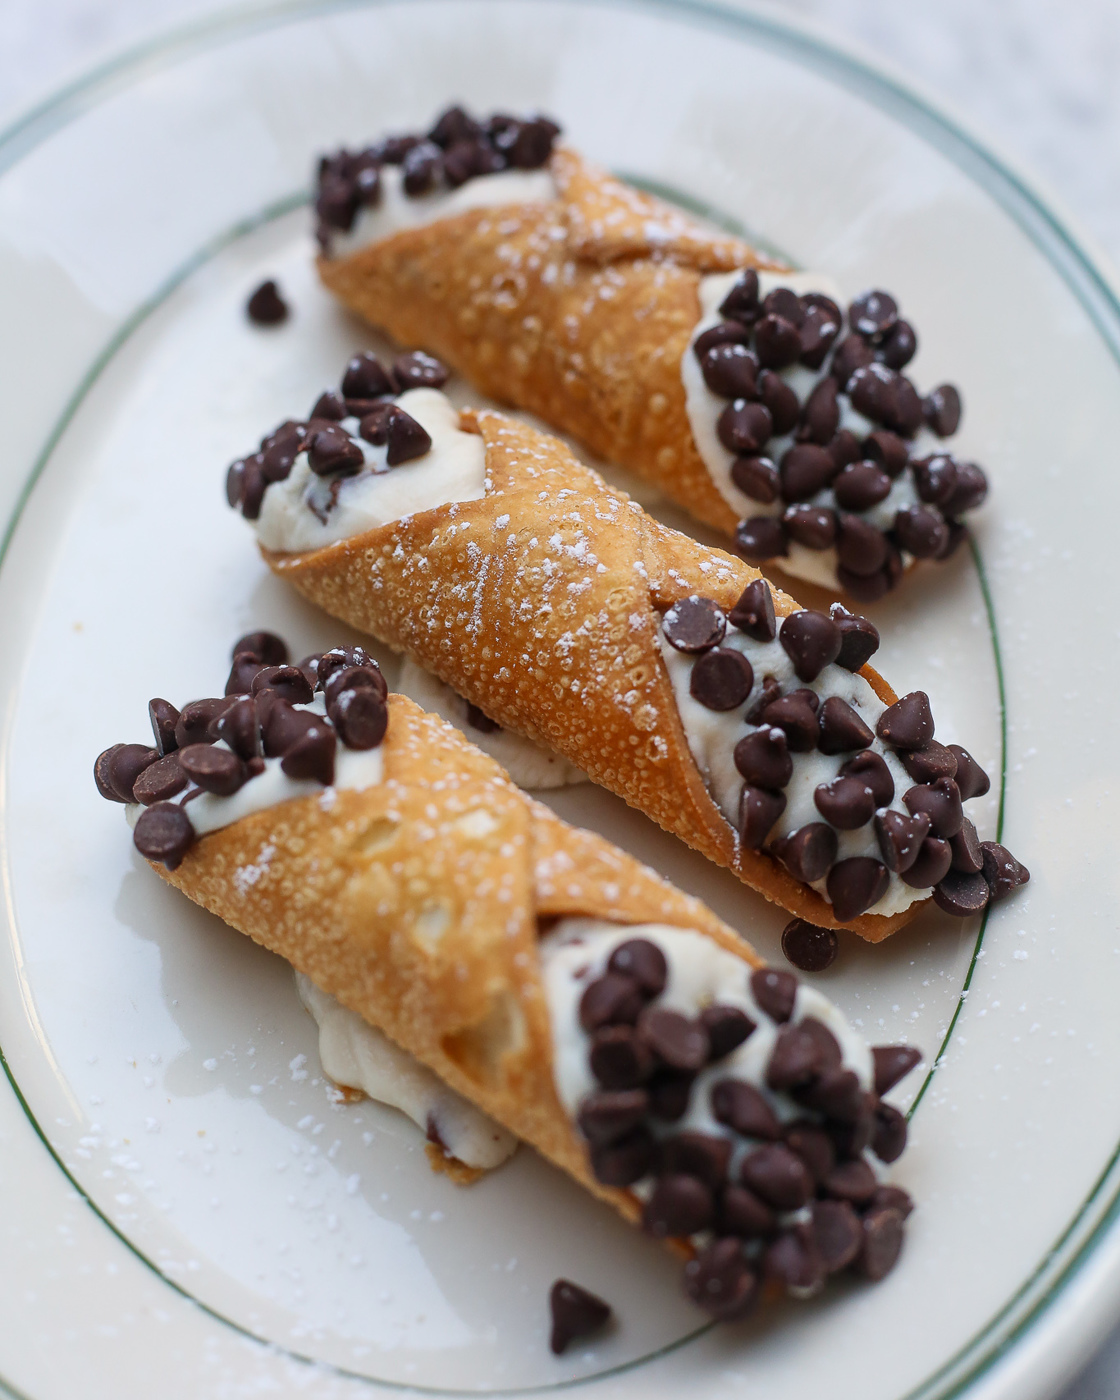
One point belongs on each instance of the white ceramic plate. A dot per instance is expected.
(184, 1210)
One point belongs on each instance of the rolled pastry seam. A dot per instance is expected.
(544, 602)
(587, 309)
(418, 902)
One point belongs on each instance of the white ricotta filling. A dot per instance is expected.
(527, 763)
(396, 211)
(454, 469)
(353, 1053)
(713, 734)
(704, 408)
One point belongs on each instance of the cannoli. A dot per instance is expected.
(666, 671)
(740, 389)
(553, 983)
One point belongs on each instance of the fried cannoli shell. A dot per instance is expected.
(577, 309)
(417, 903)
(541, 603)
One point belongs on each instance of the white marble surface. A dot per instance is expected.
(1041, 81)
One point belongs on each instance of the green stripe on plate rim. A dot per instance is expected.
(1089, 284)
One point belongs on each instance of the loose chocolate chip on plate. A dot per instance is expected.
(623, 1162)
(418, 371)
(575, 1313)
(775, 991)
(841, 728)
(763, 759)
(781, 401)
(741, 302)
(756, 477)
(861, 486)
(821, 415)
(899, 345)
(643, 962)
(808, 947)
(968, 855)
(610, 1000)
(778, 1176)
(213, 769)
(758, 811)
(760, 538)
(872, 314)
(312, 756)
(333, 450)
(854, 885)
(941, 802)
(266, 307)
(163, 833)
(702, 1155)
(754, 612)
(941, 409)
(745, 427)
(731, 370)
(838, 1234)
(164, 716)
(908, 723)
(239, 727)
(611, 1114)
(892, 1064)
(845, 803)
(871, 768)
(900, 838)
(619, 1058)
(721, 1281)
(805, 470)
(727, 1026)
(741, 1213)
(961, 894)
(721, 679)
(882, 1243)
(329, 406)
(741, 1106)
(288, 682)
(160, 781)
(888, 1140)
(795, 1059)
(970, 778)
(811, 526)
(680, 1205)
(930, 865)
(694, 624)
(676, 1040)
(808, 852)
(1002, 872)
(360, 717)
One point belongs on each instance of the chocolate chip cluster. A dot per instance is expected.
(256, 719)
(828, 478)
(457, 149)
(367, 394)
(737, 1189)
(932, 845)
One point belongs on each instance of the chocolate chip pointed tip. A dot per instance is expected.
(266, 306)
(575, 1313)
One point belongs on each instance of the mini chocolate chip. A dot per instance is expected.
(730, 370)
(777, 342)
(961, 894)
(908, 723)
(669, 1093)
(811, 526)
(794, 1060)
(760, 538)
(873, 314)
(282, 724)
(970, 778)
(160, 781)
(829, 1047)
(454, 124)
(745, 427)
(533, 144)
(820, 417)
(935, 478)
(164, 716)
(809, 948)
(643, 962)
(882, 1244)
(930, 865)
(406, 438)
(859, 639)
(677, 1041)
(781, 400)
(900, 837)
(623, 1162)
(851, 1181)
(838, 1234)
(861, 485)
(805, 470)
(754, 612)
(846, 802)
(941, 409)
(333, 450)
(758, 812)
(784, 302)
(769, 691)
(811, 640)
(575, 1313)
(163, 833)
(239, 727)
(619, 1058)
(312, 755)
(721, 1281)
(854, 885)
(610, 1000)
(721, 679)
(851, 354)
(894, 1198)
(338, 657)
(329, 406)
(702, 1155)
(360, 717)
(851, 1138)
(899, 345)
(861, 548)
(611, 1114)
(194, 723)
(266, 307)
(246, 667)
(794, 1261)
(694, 624)
(741, 1106)
(367, 185)
(741, 1213)
(741, 302)
(888, 1141)
(808, 852)
(819, 330)
(1002, 872)
(267, 647)
(756, 477)
(871, 768)
(288, 682)
(887, 450)
(812, 1144)
(971, 489)
(418, 371)
(213, 769)
(928, 764)
(775, 992)
(679, 1205)
(892, 1064)
(921, 531)
(968, 855)
(723, 333)
(835, 1093)
(422, 167)
(763, 759)
(887, 397)
(941, 802)
(778, 1176)
(235, 486)
(374, 427)
(463, 160)
(336, 202)
(841, 729)
(864, 588)
(727, 1028)
(844, 448)
(818, 301)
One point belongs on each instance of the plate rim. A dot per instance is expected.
(1067, 247)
